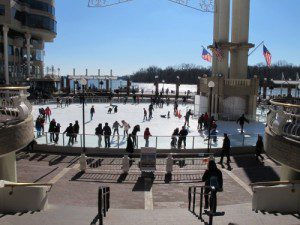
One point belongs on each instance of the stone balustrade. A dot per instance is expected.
(238, 82)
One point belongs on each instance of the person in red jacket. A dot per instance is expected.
(48, 113)
(147, 134)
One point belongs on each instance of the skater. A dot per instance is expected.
(213, 178)
(116, 109)
(57, 131)
(70, 134)
(168, 114)
(242, 121)
(205, 119)
(259, 148)
(145, 114)
(225, 150)
(200, 122)
(134, 134)
(38, 127)
(107, 133)
(151, 109)
(92, 112)
(126, 127)
(99, 133)
(42, 121)
(115, 127)
(48, 113)
(174, 138)
(187, 117)
(182, 137)
(57, 102)
(76, 130)
(175, 107)
(51, 129)
(147, 134)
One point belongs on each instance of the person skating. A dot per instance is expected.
(147, 134)
(187, 117)
(51, 129)
(182, 137)
(213, 178)
(107, 133)
(174, 138)
(175, 107)
(92, 112)
(48, 113)
(70, 134)
(200, 122)
(206, 120)
(225, 150)
(76, 130)
(57, 131)
(151, 109)
(242, 121)
(115, 127)
(42, 120)
(145, 114)
(99, 133)
(134, 134)
(168, 115)
(126, 127)
(259, 148)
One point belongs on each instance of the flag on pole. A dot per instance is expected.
(267, 56)
(206, 55)
(217, 51)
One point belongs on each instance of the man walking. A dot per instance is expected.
(242, 121)
(92, 112)
(225, 150)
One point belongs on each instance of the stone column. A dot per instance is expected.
(240, 36)
(28, 37)
(8, 167)
(216, 36)
(107, 84)
(5, 48)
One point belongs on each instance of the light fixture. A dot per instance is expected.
(211, 84)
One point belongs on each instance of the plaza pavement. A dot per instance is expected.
(73, 198)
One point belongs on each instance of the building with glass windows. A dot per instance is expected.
(25, 27)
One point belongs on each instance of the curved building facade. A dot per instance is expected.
(25, 27)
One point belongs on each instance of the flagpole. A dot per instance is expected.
(256, 48)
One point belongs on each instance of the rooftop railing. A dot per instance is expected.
(284, 118)
(14, 105)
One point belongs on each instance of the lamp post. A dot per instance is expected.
(156, 86)
(83, 83)
(177, 88)
(211, 85)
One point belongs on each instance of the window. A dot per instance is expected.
(38, 5)
(2, 10)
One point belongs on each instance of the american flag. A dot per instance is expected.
(267, 56)
(217, 51)
(206, 55)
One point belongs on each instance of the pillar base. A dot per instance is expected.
(287, 173)
(8, 167)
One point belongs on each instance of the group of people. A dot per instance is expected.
(44, 115)
(67, 101)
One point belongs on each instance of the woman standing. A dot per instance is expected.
(147, 134)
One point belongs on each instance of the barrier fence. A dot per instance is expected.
(158, 142)
(103, 203)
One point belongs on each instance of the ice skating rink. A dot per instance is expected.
(161, 127)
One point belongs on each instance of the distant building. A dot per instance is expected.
(25, 26)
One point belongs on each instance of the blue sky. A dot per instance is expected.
(142, 33)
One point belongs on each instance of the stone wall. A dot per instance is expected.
(16, 137)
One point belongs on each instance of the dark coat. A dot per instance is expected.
(259, 146)
(52, 126)
(136, 129)
(130, 146)
(242, 120)
(69, 131)
(106, 131)
(208, 174)
(226, 144)
(76, 128)
(92, 111)
(99, 131)
(183, 133)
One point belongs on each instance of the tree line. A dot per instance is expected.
(189, 73)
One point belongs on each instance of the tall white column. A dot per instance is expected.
(216, 36)
(8, 167)
(5, 48)
(240, 35)
(28, 37)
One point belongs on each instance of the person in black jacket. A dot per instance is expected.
(213, 178)
(57, 131)
(76, 130)
(51, 129)
(70, 134)
(99, 133)
(107, 133)
(242, 121)
(225, 150)
(259, 148)
(182, 137)
(92, 112)
(134, 134)
(130, 145)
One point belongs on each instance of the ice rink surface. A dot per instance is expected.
(133, 114)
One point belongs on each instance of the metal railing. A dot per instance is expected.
(211, 194)
(103, 203)
(158, 142)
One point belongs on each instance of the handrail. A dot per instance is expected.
(274, 102)
(28, 184)
(273, 183)
(14, 88)
(103, 203)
